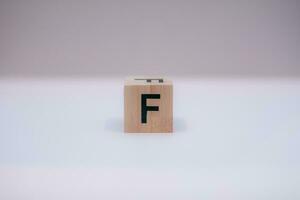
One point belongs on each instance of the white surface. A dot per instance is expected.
(233, 139)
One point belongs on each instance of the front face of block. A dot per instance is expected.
(148, 106)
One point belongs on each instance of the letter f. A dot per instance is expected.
(146, 108)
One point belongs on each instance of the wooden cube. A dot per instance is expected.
(148, 105)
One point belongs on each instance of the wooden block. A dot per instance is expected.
(148, 105)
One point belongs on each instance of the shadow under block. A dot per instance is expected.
(148, 106)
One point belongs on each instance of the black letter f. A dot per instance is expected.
(146, 108)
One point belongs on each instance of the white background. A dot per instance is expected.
(237, 123)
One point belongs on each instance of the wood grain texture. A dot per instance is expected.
(160, 121)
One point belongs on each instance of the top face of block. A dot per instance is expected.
(147, 81)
